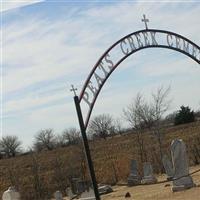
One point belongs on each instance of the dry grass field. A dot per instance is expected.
(111, 161)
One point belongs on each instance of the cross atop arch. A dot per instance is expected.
(145, 20)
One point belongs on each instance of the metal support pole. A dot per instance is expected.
(87, 149)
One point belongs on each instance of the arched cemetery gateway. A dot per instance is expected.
(111, 59)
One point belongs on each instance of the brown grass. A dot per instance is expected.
(111, 158)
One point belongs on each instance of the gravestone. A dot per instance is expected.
(88, 195)
(81, 186)
(58, 195)
(78, 186)
(70, 194)
(181, 167)
(73, 185)
(104, 189)
(133, 178)
(168, 167)
(149, 177)
(11, 194)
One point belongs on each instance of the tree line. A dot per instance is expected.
(140, 114)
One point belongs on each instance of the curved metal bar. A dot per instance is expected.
(116, 43)
(92, 105)
(115, 66)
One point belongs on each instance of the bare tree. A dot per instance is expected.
(101, 126)
(59, 141)
(71, 136)
(10, 145)
(141, 114)
(45, 139)
(160, 105)
(137, 113)
(118, 126)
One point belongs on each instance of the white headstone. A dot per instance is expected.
(149, 177)
(181, 167)
(168, 167)
(133, 178)
(11, 194)
(58, 195)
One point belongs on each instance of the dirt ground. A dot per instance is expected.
(156, 191)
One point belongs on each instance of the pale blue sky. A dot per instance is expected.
(50, 45)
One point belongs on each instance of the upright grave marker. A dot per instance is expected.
(149, 177)
(168, 167)
(58, 195)
(11, 194)
(181, 168)
(133, 178)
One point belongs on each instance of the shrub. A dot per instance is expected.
(184, 115)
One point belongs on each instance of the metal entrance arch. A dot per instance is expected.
(108, 62)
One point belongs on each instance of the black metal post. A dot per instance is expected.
(87, 149)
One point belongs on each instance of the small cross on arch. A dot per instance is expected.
(73, 89)
(145, 20)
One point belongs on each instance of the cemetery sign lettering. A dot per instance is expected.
(108, 62)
